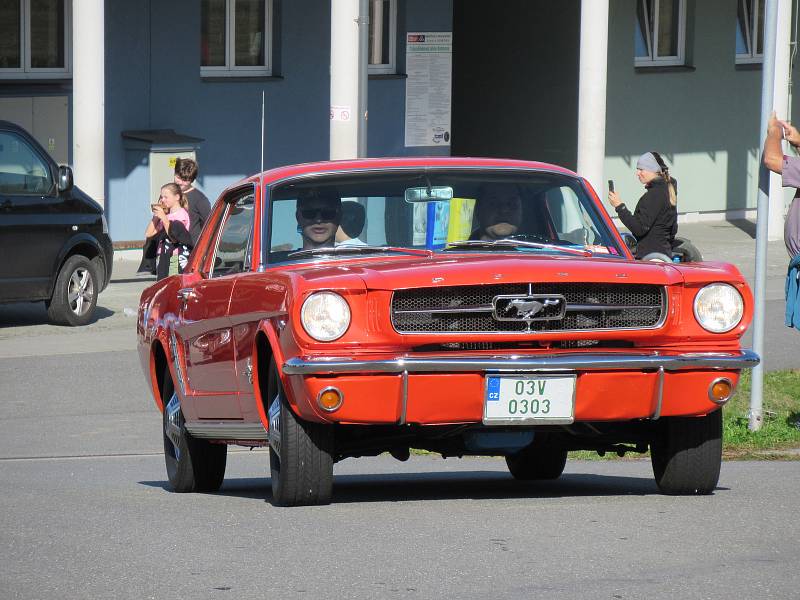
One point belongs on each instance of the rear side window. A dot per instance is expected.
(234, 242)
(22, 171)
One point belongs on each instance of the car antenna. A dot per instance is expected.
(261, 170)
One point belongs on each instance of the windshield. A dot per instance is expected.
(449, 211)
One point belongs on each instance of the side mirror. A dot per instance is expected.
(65, 181)
(630, 241)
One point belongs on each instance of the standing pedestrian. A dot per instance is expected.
(788, 167)
(654, 222)
(170, 221)
(198, 207)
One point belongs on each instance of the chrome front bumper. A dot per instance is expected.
(721, 361)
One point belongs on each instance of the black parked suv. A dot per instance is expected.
(54, 242)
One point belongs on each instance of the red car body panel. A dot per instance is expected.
(214, 333)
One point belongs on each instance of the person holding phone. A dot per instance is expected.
(654, 222)
(788, 167)
(170, 222)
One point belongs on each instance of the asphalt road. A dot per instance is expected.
(84, 510)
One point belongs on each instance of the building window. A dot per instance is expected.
(382, 35)
(236, 38)
(660, 33)
(750, 32)
(35, 39)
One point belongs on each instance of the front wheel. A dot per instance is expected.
(300, 454)
(192, 465)
(687, 454)
(75, 292)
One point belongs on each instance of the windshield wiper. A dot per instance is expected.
(347, 249)
(514, 244)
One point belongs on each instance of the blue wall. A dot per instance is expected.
(153, 82)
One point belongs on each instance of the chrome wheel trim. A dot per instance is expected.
(173, 426)
(80, 291)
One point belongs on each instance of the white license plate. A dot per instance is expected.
(529, 399)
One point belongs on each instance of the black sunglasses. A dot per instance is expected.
(325, 214)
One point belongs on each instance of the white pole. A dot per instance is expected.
(781, 107)
(767, 86)
(344, 79)
(88, 97)
(363, 75)
(592, 91)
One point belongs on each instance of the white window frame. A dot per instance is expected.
(651, 39)
(752, 32)
(25, 71)
(390, 67)
(231, 70)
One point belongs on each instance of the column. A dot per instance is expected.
(592, 92)
(781, 104)
(88, 97)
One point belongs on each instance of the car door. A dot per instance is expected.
(34, 220)
(204, 325)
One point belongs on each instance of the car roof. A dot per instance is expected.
(335, 166)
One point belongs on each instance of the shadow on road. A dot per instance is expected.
(474, 485)
(20, 314)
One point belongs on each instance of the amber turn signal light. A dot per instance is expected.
(330, 399)
(720, 390)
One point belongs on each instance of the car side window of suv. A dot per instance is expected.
(233, 251)
(22, 170)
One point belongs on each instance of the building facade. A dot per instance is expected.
(683, 78)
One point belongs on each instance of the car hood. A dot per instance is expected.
(462, 269)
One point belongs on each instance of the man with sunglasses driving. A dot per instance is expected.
(318, 218)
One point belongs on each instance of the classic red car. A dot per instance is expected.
(462, 306)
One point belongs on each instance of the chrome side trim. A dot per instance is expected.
(176, 360)
(223, 430)
(744, 359)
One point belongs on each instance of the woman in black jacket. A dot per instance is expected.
(654, 223)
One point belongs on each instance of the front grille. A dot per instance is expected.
(470, 309)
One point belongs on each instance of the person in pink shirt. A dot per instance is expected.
(170, 218)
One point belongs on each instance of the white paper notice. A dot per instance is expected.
(429, 61)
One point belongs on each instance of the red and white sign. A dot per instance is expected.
(341, 113)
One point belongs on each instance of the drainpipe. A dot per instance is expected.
(592, 91)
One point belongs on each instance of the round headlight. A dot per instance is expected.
(718, 307)
(325, 316)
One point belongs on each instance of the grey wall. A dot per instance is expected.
(153, 82)
(705, 119)
(516, 79)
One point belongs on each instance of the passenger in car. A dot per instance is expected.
(498, 209)
(318, 217)
(353, 218)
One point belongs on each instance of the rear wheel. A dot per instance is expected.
(687, 454)
(192, 465)
(300, 455)
(687, 251)
(75, 292)
(537, 462)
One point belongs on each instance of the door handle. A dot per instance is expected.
(186, 294)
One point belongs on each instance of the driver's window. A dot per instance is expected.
(570, 219)
(22, 171)
(233, 245)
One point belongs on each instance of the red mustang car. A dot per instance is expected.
(462, 306)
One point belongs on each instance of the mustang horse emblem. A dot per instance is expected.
(527, 309)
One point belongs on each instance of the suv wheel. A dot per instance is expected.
(75, 292)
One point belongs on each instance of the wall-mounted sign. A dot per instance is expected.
(429, 62)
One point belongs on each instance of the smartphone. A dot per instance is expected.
(610, 185)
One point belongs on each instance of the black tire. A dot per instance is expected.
(300, 454)
(687, 250)
(75, 292)
(192, 465)
(687, 454)
(537, 463)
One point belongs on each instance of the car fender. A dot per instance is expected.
(268, 328)
(79, 239)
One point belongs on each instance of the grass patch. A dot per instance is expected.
(781, 404)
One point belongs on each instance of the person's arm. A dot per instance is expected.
(773, 151)
(159, 216)
(643, 217)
